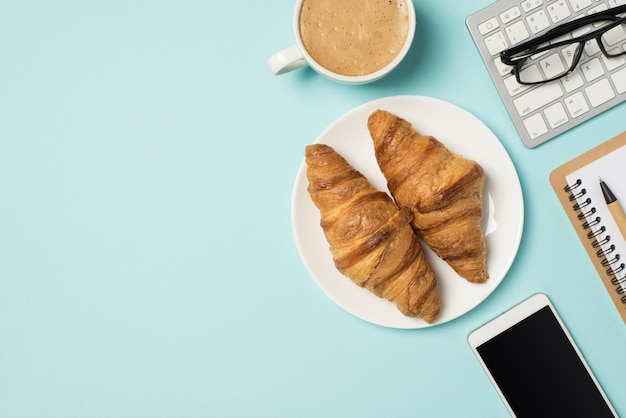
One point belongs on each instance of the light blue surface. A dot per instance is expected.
(147, 262)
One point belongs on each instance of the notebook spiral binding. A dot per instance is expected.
(599, 236)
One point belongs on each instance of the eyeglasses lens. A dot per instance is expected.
(614, 40)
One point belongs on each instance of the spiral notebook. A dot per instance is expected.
(577, 185)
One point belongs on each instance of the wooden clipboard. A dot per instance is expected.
(559, 184)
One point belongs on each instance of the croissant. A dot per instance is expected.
(443, 190)
(370, 238)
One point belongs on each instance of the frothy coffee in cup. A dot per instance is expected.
(354, 37)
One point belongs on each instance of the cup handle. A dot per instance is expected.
(286, 60)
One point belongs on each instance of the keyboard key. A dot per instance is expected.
(552, 66)
(556, 115)
(535, 126)
(513, 87)
(578, 5)
(614, 36)
(599, 8)
(537, 98)
(510, 15)
(496, 43)
(531, 74)
(559, 11)
(488, 26)
(517, 32)
(619, 80)
(502, 69)
(569, 52)
(613, 62)
(592, 69)
(538, 21)
(591, 48)
(572, 81)
(576, 105)
(600, 92)
(529, 5)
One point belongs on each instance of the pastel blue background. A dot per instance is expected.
(147, 262)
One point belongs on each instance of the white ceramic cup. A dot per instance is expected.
(296, 56)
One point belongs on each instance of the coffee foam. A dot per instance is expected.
(354, 37)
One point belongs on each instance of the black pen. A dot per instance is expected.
(614, 207)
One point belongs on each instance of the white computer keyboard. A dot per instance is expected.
(544, 111)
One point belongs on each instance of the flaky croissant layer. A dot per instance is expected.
(370, 238)
(443, 190)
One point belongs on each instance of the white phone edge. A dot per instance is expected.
(509, 318)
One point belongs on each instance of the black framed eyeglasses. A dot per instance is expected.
(556, 53)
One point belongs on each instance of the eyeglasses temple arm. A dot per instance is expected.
(609, 14)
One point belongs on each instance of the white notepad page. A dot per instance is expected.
(611, 168)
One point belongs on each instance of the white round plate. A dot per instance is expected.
(503, 207)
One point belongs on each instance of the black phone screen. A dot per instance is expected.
(539, 372)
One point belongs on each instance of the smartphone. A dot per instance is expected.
(535, 366)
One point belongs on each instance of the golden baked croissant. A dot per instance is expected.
(442, 189)
(370, 238)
